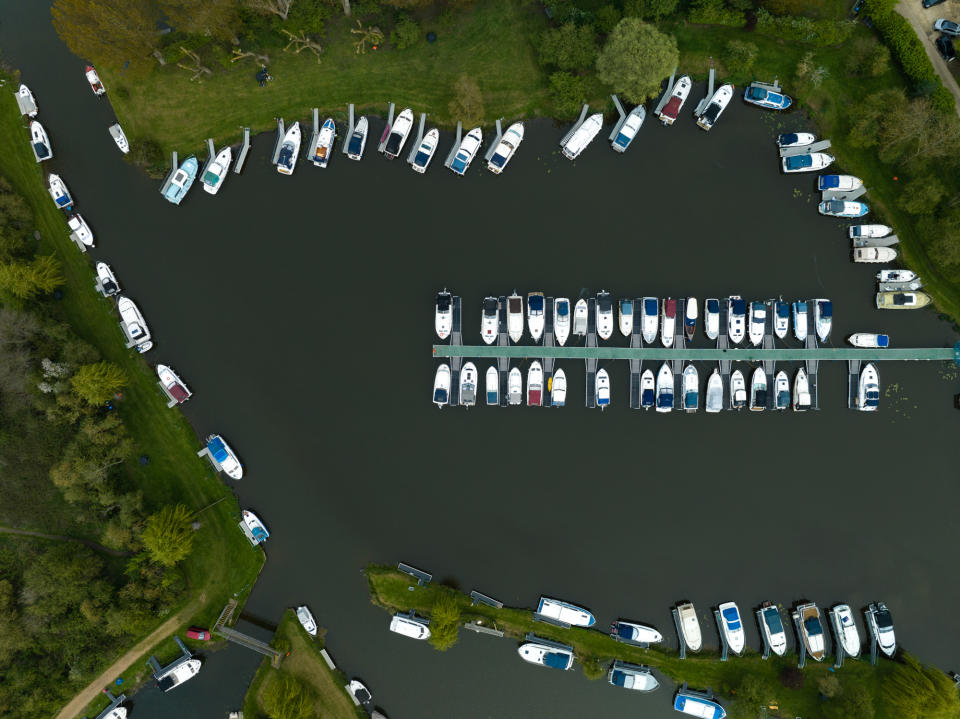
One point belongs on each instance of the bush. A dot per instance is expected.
(593, 668)
(921, 195)
(96, 383)
(570, 47)
(715, 12)
(606, 18)
(821, 33)
(467, 102)
(942, 99)
(739, 57)
(406, 33)
(444, 622)
(566, 94)
(650, 9)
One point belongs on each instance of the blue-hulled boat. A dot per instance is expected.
(767, 99)
(182, 181)
(648, 389)
(843, 208)
(695, 705)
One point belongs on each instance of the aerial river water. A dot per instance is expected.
(299, 310)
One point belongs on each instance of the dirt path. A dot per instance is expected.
(922, 21)
(64, 538)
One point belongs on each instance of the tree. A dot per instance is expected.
(444, 622)
(569, 47)
(280, 8)
(808, 72)
(636, 58)
(406, 33)
(650, 9)
(921, 195)
(467, 102)
(606, 18)
(219, 19)
(286, 697)
(566, 93)
(739, 57)
(112, 32)
(168, 535)
(96, 383)
(26, 280)
(914, 691)
(100, 444)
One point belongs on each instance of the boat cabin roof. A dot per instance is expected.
(789, 138)
(882, 618)
(604, 303)
(556, 660)
(812, 626)
(732, 617)
(739, 307)
(827, 181)
(796, 162)
(443, 301)
(713, 305)
(563, 308)
(771, 615)
(650, 305)
(826, 309)
(535, 303)
(514, 304)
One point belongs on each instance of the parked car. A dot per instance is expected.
(931, 3)
(946, 48)
(198, 633)
(947, 27)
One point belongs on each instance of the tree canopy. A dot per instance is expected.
(219, 19)
(569, 47)
(96, 383)
(112, 31)
(168, 536)
(636, 59)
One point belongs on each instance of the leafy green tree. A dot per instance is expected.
(567, 94)
(25, 280)
(739, 57)
(286, 697)
(467, 102)
(914, 691)
(406, 33)
(921, 195)
(569, 47)
(593, 668)
(606, 18)
(111, 32)
(650, 9)
(636, 58)
(444, 622)
(168, 535)
(101, 443)
(219, 19)
(96, 383)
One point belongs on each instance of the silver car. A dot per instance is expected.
(947, 27)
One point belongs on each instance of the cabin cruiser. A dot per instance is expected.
(182, 181)
(772, 626)
(766, 98)
(289, 150)
(305, 617)
(426, 151)
(690, 394)
(690, 318)
(514, 386)
(410, 626)
(94, 79)
(711, 318)
(758, 390)
(546, 655)
(40, 142)
(133, 325)
(626, 317)
(443, 315)
(736, 318)
(650, 319)
(714, 401)
(868, 390)
(811, 162)
(689, 626)
(902, 300)
(801, 391)
(217, 170)
(800, 320)
(489, 320)
(881, 626)
(823, 318)
(681, 90)
(398, 134)
(633, 633)
(358, 139)
(535, 316)
(604, 315)
(179, 673)
(569, 614)
(896, 276)
(580, 312)
(582, 137)
(732, 627)
(603, 389)
(718, 103)
(648, 389)
(874, 254)
(632, 676)
(738, 390)
(173, 385)
(468, 384)
(696, 705)
(80, 231)
(558, 389)
(224, 457)
(668, 325)
(629, 129)
(758, 322)
(781, 391)
(869, 340)
(846, 629)
(493, 386)
(441, 386)
(535, 384)
(515, 316)
(119, 137)
(506, 148)
(561, 320)
(838, 183)
(467, 151)
(795, 139)
(856, 231)
(665, 389)
(781, 319)
(811, 629)
(59, 192)
(106, 280)
(320, 155)
(27, 101)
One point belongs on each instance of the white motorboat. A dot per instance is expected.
(881, 626)
(426, 151)
(558, 389)
(398, 134)
(535, 384)
(812, 162)
(468, 149)
(80, 231)
(632, 632)
(118, 712)
(758, 390)
(846, 629)
(681, 90)
(323, 147)
(874, 254)
(626, 317)
(738, 390)
(175, 387)
(493, 386)
(119, 137)
(106, 280)
(580, 312)
(26, 101)
(665, 389)
(358, 139)
(560, 611)
(490, 320)
(257, 529)
(796, 139)
(781, 391)
(94, 79)
(781, 319)
(604, 312)
(632, 676)
(546, 655)
(732, 626)
(869, 340)
(736, 318)
(758, 322)
(182, 180)
(650, 319)
(179, 673)
(506, 148)
(443, 315)
(361, 695)
(668, 322)
(133, 325)
(561, 320)
(515, 316)
(469, 379)
(868, 390)
(535, 314)
(289, 150)
(648, 389)
(711, 318)
(305, 617)
(714, 401)
(823, 318)
(800, 320)
(801, 391)
(896, 276)
(224, 457)
(690, 394)
(441, 386)
(856, 231)
(39, 142)
(582, 137)
(811, 630)
(838, 183)
(514, 386)
(772, 626)
(629, 129)
(603, 389)
(689, 626)
(718, 103)
(216, 172)
(690, 318)
(59, 192)
(407, 625)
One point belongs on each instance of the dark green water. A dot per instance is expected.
(299, 311)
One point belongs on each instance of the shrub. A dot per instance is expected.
(467, 102)
(921, 195)
(650, 9)
(569, 47)
(444, 622)
(606, 18)
(821, 33)
(566, 94)
(715, 12)
(739, 57)
(593, 668)
(809, 73)
(406, 33)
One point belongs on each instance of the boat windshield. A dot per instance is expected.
(789, 139)
(771, 616)
(883, 619)
(421, 159)
(783, 310)
(489, 307)
(835, 205)
(756, 93)
(826, 310)
(739, 307)
(443, 302)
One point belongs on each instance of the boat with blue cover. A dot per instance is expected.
(182, 181)
(59, 192)
(800, 320)
(732, 626)
(838, 183)
(781, 390)
(324, 145)
(257, 529)
(781, 319)
(561, 320)
(603, 389)
(869, 340)
(224, 456)
(133, 325)
(546, 655)
(631, 676)
(565, 612)
(493, 386)
(467, 151)
(691, 389)
(426, 151)
(698, 706)
(629, 129)
(626, 317)
(216, 171)
(558, 389)
(289, 150)
(810, 162)
(665, 388)
(634, 633)
(40, 142)
(772, 626)
(736, 318)
(823, 318)
(506, 148)
(441, 386)
(648, 389)
(843, 208)
(358, 139)
(535, 315)
(766, 98)
(711, 318)
(811, 630)
(758, 322)
(795, 139)
(650, 319)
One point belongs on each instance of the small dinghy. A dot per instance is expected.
(758, 390)
(718, 103)
(781, 319)
(634, 633)
(426, 151)
(546, 655)
(650, 319)
(40, 142)
(106, 280)
(843, 208)
(772, 625)
(714, 401)
(59, 192)
(689, 626)
(629, 129)
(766, 98)
(732, 626)
(648, 389)
(258, 531)
(182, 181)
(582, 137)
(781, 391)
(681, 90)
(801, 391)
(736, 318)
(896, 276)
(691, 389)
(535, 315)
(216, 172)
(580, 312)
(561, 320)
(869, 231)
(119, 137)
(558, 389)
(632, 676)
(441, 386)
(26, 101)
(838, 183)
(604, 312)
(535, 384)
(468, 149)
(289, 150)
(800, 320)
(811, 629)
(94, 79)
(869, 340)
(493, 386)
(868, 390)
(173, 385)
(796, 139)
(665, 389)
(874, 255)
(668, 325)
(902, 300)
(468, 385)
(320, 154)
(823, 318)
(80, 231)
(626, 317)
(515, 316)
(690, 318)
(711, 318)
(443, 315)
(846, 629)
(738, 390)
(305, 617)
(489, 320)
(811, 162)
(133, 325)
(881, 626)
(398, 134)
(603, 389)
(514, 387)
(506, 148)
(358, 139)
(758, 322)
(224, 456)
(565, 612)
